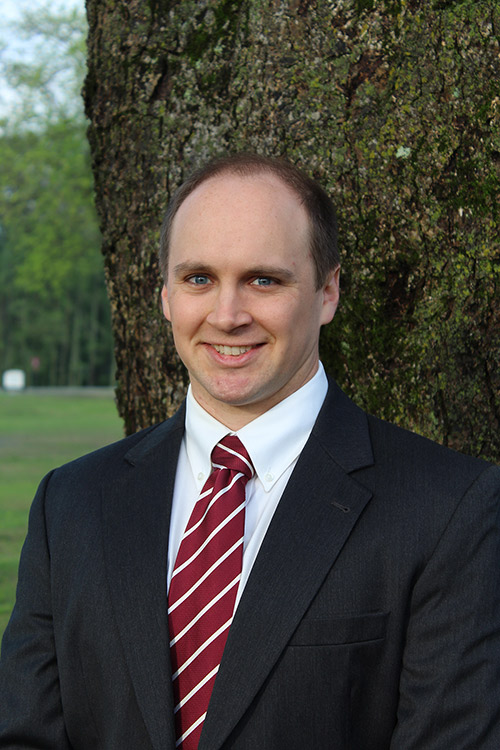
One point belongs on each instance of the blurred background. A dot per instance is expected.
(55, 332)
(54, 313)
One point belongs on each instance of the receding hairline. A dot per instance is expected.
(321, 215)
(267, 175)
(273, 169)
(241, 170)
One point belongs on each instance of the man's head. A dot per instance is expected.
(243, 292)
(317, 204)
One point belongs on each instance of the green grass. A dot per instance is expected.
(37, 433)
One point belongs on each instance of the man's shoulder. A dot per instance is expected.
(424, 477)
(392, 455)
(392, 442)
(415, 483)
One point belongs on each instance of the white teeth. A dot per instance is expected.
(231, 350)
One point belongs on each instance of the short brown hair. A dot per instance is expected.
(319, 207)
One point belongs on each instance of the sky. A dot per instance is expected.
(12, 9)
(12, 47)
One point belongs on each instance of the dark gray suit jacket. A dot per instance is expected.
(371, 619)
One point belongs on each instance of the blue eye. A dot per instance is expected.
(198, 279)
(263, 281)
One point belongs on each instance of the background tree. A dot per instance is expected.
(394, 106)
(54, 316)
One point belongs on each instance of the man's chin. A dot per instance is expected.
(228, 396)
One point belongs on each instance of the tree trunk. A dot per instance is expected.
(393, 106)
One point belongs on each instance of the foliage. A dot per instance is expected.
(395, 107)
(54, 319)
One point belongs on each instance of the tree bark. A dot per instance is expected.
(393, 106)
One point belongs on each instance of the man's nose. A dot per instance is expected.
(229, 310)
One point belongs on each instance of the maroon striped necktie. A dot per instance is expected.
(204, 584)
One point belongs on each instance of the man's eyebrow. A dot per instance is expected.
(281, 272)
(191, 267)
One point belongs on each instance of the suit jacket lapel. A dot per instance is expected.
(136, 516)
(313, 520)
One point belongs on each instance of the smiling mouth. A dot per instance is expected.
(232, 351)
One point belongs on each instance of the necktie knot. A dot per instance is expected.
(231, 454)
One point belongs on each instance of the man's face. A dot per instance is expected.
(241, 296)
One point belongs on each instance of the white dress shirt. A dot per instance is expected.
(274, 442)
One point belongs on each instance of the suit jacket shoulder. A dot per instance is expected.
(391, 458)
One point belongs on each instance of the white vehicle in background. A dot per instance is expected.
(14, 380)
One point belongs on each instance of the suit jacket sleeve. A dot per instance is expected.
(31, 713)
(450, 679)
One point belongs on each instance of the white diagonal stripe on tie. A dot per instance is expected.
(208, 539)
(196, 688)
(239, 455)
(210, 604)
(202, 648)
(205, 576)
(191, 729)
(210, 505)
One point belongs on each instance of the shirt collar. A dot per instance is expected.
(274, 440)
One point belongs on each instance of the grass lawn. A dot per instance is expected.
(37, 433)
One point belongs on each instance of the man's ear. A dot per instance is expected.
(331, 293)
(164, 302)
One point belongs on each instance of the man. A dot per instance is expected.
(361, 604)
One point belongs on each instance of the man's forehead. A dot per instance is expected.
(251, 220)
(256, 210)
(231, 182)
